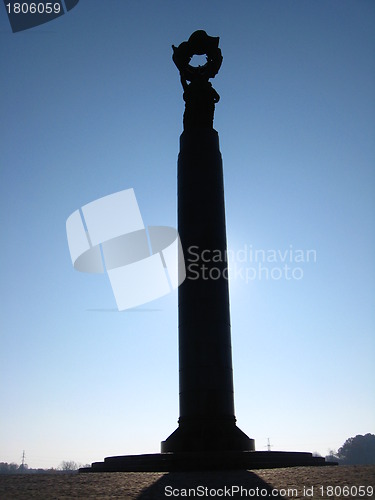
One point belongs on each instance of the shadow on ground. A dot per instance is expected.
(209, 484)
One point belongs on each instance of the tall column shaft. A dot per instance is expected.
(205, 359)
(207, 418)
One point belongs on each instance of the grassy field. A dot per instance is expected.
(349, 482)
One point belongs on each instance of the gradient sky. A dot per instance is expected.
(91, 104)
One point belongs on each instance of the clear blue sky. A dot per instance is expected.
(91, 104)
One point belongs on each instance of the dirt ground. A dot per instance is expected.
(351, 482)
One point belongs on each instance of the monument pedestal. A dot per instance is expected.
(198, 461)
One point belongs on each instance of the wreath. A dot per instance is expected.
(199, 43)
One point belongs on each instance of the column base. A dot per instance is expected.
(205, 435)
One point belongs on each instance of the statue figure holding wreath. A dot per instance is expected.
(199, 95)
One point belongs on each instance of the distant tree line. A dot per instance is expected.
(64, 467)
(358, 450)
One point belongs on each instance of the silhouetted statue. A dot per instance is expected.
(199, 95)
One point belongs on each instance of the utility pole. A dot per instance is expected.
(269, 445)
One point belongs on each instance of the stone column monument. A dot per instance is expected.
(207, 437)
(207, 420)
